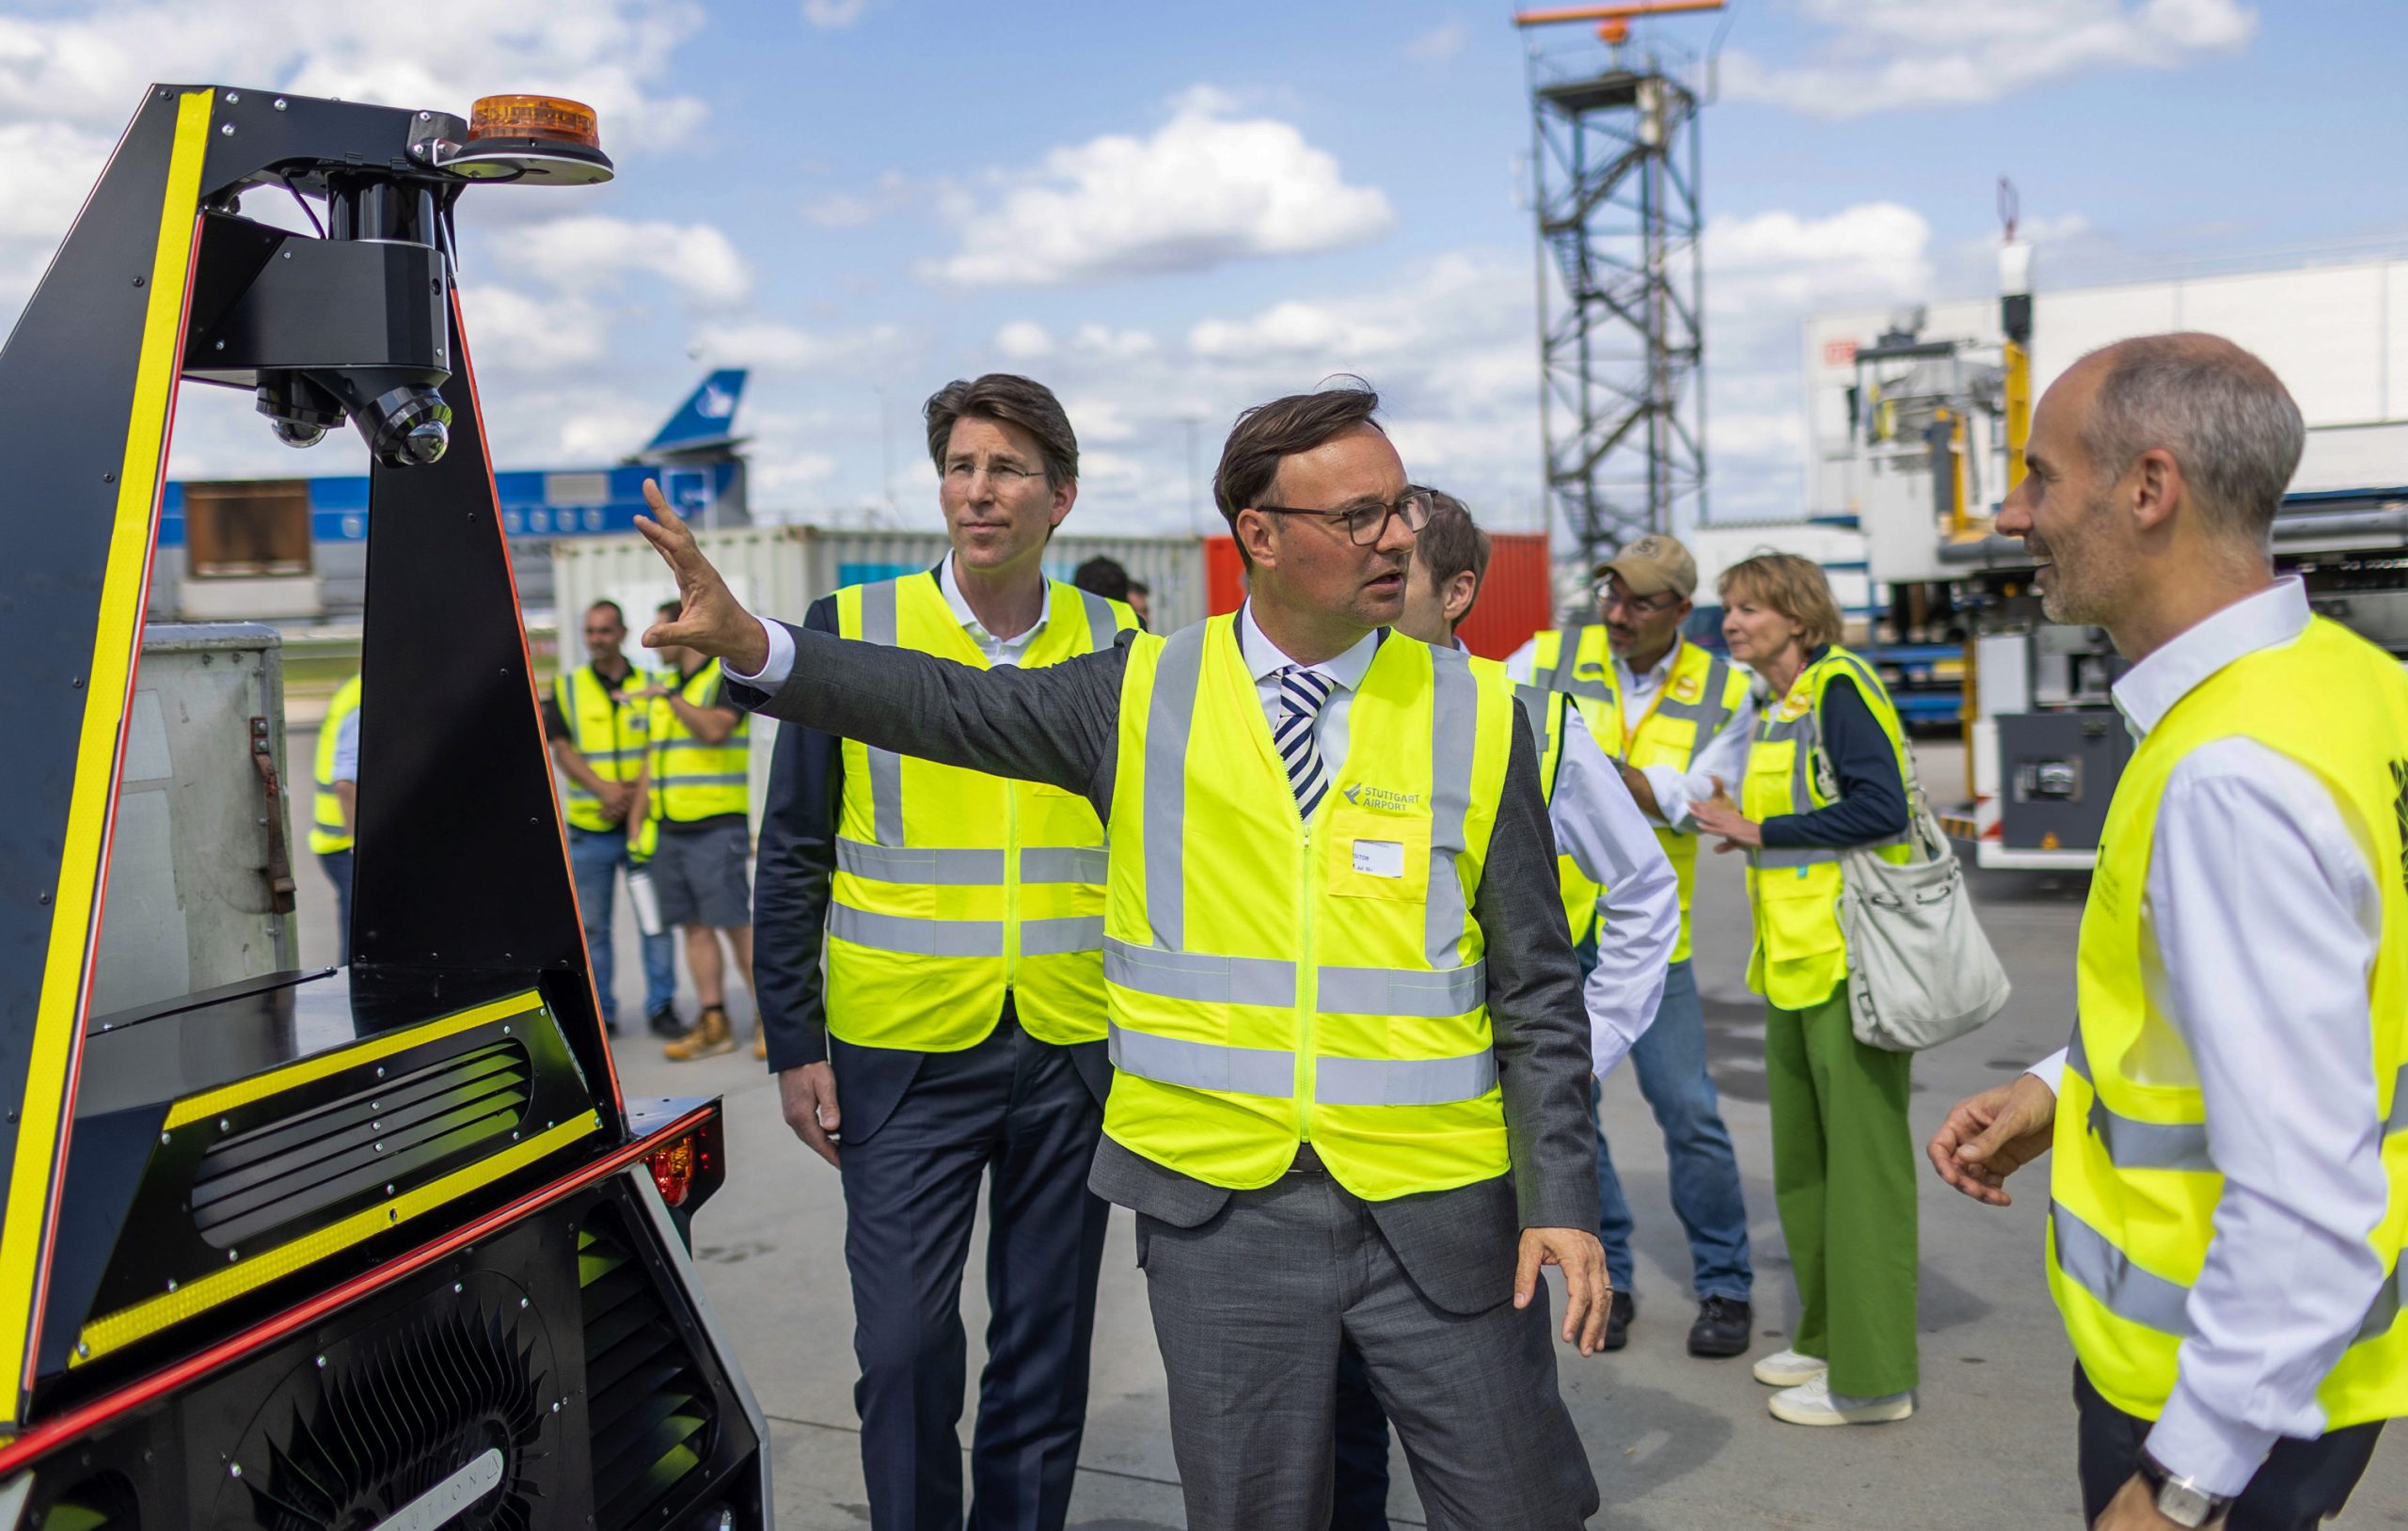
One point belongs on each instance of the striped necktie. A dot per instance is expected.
(1302, 694)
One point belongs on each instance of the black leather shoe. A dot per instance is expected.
(1620, 1310)
(1722, 1328)
(664, 1022)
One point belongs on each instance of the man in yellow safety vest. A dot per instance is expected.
(335, 808)
(2228, 1188)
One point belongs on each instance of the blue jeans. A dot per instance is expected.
(1670, 1061)
(594, 857)
(338, 866)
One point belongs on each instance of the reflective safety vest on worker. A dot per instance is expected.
(327, 832)
(1801, 954)
(1274, 980)
(953, 888)
(1542, 710)
(1703, 692)
(1579, 663)
(612, 730)
(2134, 1191)
(692, 780)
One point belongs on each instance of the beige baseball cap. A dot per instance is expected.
(1652, 565)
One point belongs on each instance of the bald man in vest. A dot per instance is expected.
(1351, 1098)
(2227, 1133)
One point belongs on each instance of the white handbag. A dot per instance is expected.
(1920, 970)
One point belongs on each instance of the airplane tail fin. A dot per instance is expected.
(707, 418)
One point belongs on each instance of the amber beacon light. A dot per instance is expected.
(541, 139)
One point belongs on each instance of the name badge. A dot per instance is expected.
(1380, 858)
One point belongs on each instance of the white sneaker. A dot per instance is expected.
(1815, 1403)
(1787, 1368)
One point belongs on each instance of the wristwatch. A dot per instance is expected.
(2180, 1499)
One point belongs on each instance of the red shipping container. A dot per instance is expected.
(1515, 600)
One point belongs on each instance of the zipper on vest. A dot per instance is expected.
(1307, 992)
(1011, 883)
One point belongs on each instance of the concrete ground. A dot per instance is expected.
(1677, 1444)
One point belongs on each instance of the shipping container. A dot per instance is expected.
(1514, 600)
(780, 570)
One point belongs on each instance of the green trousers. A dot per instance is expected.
(1844, 1178)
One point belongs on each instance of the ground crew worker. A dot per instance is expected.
(1635, 912)
(1826, 771)
(2230, 1186)
(599, 721)
(693, 802)
(1685, 716)
(957, 916)
(1345, 1015)
(334, 810)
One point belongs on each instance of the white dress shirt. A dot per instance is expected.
(1723, 756)
(2259, 923)
(999, 651)
(1599, 825)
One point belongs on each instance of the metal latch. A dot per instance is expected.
(279, 855)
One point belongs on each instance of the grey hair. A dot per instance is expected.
(2226, 418)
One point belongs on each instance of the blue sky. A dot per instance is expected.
(1169, 211)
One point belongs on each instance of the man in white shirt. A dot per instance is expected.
(1677, 723)
(2229, 1180)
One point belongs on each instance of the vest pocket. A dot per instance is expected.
(1369, 855)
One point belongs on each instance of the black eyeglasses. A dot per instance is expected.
(1612, 594)
(1365, 525)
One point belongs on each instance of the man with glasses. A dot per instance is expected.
(1678, 717)
(1352, 1059)
(930, 941)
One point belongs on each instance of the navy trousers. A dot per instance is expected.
(1016, 1114)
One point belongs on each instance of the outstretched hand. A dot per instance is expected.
(710, 620)
(1989, 1136)
(1718, 815)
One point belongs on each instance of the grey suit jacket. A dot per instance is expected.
(1058, 725)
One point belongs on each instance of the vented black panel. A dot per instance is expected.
(257, 1181)
(650, 1410)
(399, 1417)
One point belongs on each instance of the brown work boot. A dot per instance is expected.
(708, 1039)
(760, 1042)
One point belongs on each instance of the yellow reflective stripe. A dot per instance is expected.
(153, 1315)
(58, 1016)
(243, 1092)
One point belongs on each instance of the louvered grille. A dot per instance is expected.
(400, 1129)
(647, 1407)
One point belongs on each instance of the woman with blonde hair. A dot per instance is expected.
(1826, 771)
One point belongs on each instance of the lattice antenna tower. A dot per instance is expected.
(1615, 170)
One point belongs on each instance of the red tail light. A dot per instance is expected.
(674, 1168)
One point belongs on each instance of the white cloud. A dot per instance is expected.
(91, 69)
(1103, 339)
(1206, 188)
(775, 346)
(832, 14)
(591, 251)
(1440, 43)
(1880, 54)
(512, 331)
(840, 209)
(1023, 341)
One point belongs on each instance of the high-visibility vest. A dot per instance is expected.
(1581, 664)
(692, 781)
(1801, 954)
(1275, 982)
(611, 731)
(2133, 1188)
(328, 833)
(1544, 710)
(1702, 694)
(953, 888)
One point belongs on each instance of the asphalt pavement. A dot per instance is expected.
(1677, 1444)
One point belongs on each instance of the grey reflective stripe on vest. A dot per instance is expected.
(1170, 719)
(928, 868)
(1202, 1066)
(885, 766)
(2133, 1145)
(1187, 975)
(1772, 857)
(1423, 1081)
(1101, 627)
(701, 779)
(632, 752)
(1061, 935)
(1707, 712)
(916, 938)
(2108, 1274)
(2398, 1120)
(1564, 677)
(1062, 863)
(1454, 722)
(1535, 702)
(1399, 991)
(2142, 1296)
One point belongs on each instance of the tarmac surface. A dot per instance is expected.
(1676, 1443)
